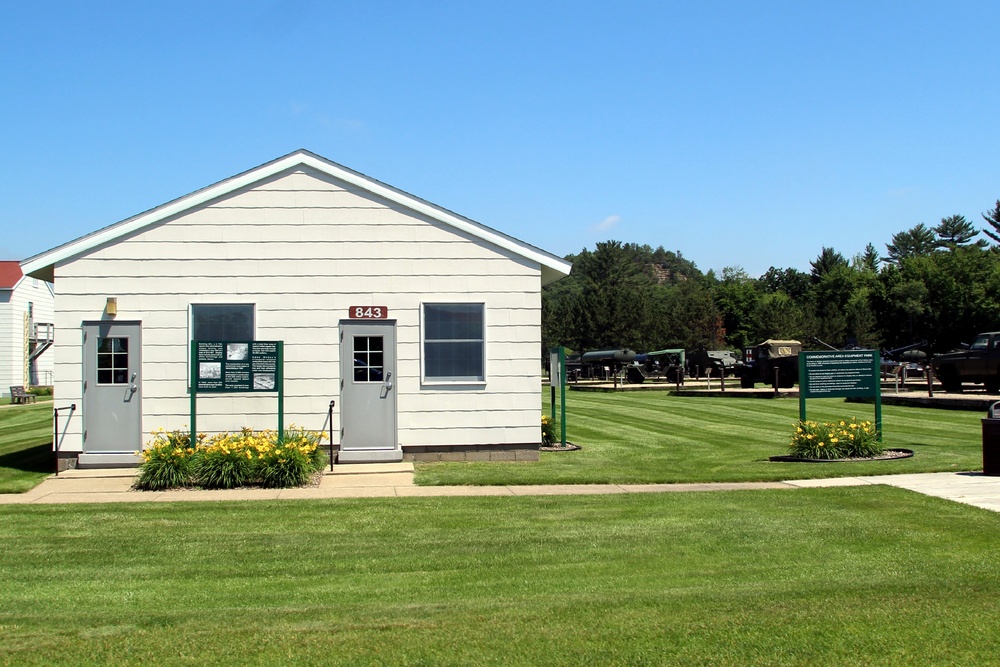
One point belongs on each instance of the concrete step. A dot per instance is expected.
(368, 468)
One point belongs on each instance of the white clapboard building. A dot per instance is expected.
(26, 329)
(420, 326)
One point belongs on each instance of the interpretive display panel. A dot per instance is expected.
(846, 373)
(236, 366)
(841, 374)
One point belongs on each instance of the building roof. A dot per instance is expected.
(43, 265)
(10, 274)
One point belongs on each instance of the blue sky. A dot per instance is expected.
(743, 134)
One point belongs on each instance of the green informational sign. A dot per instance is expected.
(841, 374)
(246, 367)
(239, 366)
(846, 373)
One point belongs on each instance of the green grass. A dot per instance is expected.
(648, 437)
(848, 576)
(25, 446)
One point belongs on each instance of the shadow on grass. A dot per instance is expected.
(33, 459)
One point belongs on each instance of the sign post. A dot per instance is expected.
(557, 378)
(249, 367)
(843, 373)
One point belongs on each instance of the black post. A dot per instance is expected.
(776, 371)
(930, 381)
(55, 433)
(329, 417)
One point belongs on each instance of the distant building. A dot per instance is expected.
(423, 326)
(26, 330)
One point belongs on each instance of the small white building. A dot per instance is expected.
(26, 311)
(422, 327)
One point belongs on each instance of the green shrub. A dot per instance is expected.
(835, 440)
(225, 463)
(166, 462)
(284, 467)
(292, 462)
(548, 431)
(40, 390)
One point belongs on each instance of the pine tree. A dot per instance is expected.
(993, 218)
(955, 231)
(917, 241)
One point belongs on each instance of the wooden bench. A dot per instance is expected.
(19, 395)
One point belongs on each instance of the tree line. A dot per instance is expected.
(937, 284)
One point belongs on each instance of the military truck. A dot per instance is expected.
(978, 362)
(761, 361)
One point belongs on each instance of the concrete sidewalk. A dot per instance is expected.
(396, 480)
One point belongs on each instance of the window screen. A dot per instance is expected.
(454, 341)
(222, 321)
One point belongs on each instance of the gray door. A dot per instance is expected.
(112, 408)
(368, 378)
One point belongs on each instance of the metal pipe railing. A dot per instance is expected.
(329, 419)
(55, 432)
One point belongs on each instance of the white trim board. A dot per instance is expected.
(42, 265)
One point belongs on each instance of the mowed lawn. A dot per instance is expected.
(847, 576)
(653, 437)
(25, 446)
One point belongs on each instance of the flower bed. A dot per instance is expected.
(832, 440)
(230, 460)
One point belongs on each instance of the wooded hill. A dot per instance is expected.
(940, 284)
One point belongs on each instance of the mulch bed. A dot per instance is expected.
(887, 455)
(570, 447)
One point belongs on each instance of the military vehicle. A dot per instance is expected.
(760, 363)
(603, 363)
(978, 362)
(719, 362)
(665, 364)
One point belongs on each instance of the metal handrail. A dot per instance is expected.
(329, 417)
(55, 432)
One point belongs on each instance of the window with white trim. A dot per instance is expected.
(454, 342)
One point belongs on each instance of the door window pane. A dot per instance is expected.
(112, 360)
(368, 357)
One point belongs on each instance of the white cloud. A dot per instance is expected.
(606, 224)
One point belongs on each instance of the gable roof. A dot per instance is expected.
(42, 265)
(10, 274)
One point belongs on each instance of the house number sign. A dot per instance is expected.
(368, 312)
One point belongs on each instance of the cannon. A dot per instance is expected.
(667, 364)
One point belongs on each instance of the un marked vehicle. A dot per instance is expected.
(772, 357)
(978, 362)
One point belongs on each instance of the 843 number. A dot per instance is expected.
(369, 312)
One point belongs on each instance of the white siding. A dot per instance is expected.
(11, 344)
(13, 307)
(304, 248)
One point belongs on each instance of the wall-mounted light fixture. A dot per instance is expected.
(111, 308)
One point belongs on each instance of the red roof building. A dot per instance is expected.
(10, 274)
